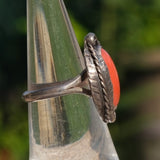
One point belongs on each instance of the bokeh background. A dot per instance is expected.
(130, 32)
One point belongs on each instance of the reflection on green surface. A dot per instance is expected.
(78, 119)
(54, 54)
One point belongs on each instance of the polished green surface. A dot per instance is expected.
(51, 32)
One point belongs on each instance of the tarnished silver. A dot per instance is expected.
(98, 76)
(48, 90)
(93, 81)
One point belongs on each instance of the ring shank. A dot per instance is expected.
(48, 90)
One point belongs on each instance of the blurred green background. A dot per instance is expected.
(130, 32)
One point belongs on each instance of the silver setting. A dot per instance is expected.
(94, 81)
(100, 83)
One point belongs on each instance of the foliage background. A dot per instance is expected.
(129, 31)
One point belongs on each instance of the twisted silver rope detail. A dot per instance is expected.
(109, 112)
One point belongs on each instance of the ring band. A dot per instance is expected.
(48, 90)
(94, 81)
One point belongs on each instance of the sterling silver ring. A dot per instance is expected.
(99, 80)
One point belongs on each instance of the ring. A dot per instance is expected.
(98, 80)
